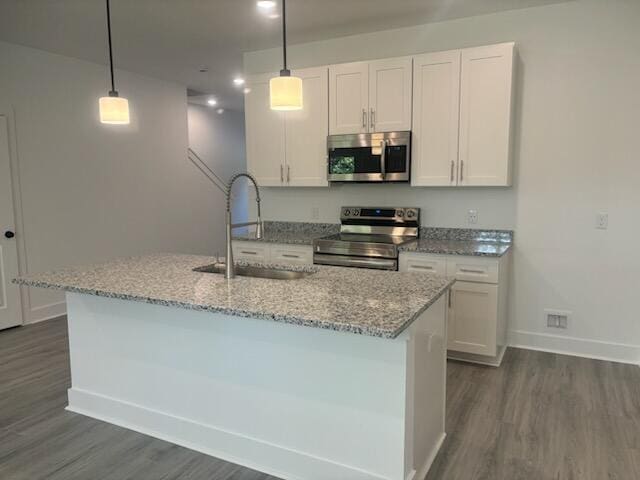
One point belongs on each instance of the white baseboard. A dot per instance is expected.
(478, 359)
(242, 450)
(46, 312)
(422, 473)
(578, 347)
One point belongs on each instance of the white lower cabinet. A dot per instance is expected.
(280, 253)
(477, 325)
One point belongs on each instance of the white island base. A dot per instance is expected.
(295, 402)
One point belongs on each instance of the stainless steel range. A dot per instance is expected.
(369, 237)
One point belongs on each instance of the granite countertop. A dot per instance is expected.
(461, 241)
(295, 233)
(361, 301)
(457, 247)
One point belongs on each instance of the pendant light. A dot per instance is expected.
(285, 91)
(113, 109)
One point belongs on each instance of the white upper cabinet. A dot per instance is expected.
(462, 103)
(288, 148)
(349, 98)
(485, 115)
(370, 96)
(306, 132)
(265, 134)
(436, 105)
(390, 95)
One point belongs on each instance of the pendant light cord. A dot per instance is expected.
(113, 83)
(285, 70)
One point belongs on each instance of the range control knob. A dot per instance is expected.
(347, 212)
(400, 213)
(356, 212)
(411, 214)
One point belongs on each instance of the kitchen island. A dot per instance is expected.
(337, 375)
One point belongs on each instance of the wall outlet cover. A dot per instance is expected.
(602, 220)
(472, 216)
(315, 213)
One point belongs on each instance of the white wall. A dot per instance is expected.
(576, 154)
(91, 192)
(218, 139)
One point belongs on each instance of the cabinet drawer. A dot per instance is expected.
(251, 251)
(292, 254)
(423, 263)
(471, 269)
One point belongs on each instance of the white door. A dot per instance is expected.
(473, 316)
(10, 308)
(306, 132)
(264, 134)
(349, 98)
(436, 109)
(390, 95)
(485, 115)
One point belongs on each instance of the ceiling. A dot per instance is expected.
(173, 39)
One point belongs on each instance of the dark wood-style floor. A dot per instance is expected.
(540, 416)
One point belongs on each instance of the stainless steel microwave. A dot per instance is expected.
(369, 157)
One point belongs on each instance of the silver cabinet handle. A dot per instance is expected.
(452, 165)
(469, 270)
(373, 119)
(288, 255)
(383, 157)
(248, 253)
(461, 170)
(364, 118)
(281, 174)
(422, 267)
(288, 173)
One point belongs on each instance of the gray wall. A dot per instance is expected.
(576, 155)
(91, 192)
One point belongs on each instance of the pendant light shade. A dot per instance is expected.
(114, 109)
(285, 91)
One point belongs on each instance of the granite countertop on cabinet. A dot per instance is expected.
(295, 233)
(343, 299)
(461, 241)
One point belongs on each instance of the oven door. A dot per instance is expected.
(375, 157)
(354, 261)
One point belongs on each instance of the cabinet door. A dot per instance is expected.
(390, 95)
(436, 108)
(307, 130)
(265, 134)
(485, 115)
(473, 316)
(349, 98)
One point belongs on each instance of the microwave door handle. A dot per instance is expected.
(383, 154)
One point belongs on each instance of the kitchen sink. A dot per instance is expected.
(254, 271)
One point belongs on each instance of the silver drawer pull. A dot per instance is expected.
(468, 270)
(423, 267)
(248, 253)
(286, 255)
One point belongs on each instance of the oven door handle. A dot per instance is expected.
(350, 261)
(383, 158)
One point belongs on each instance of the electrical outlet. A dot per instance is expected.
(557, 318)
(602, 221)
(472, 216)
(315, 213)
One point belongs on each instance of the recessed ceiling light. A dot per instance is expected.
(266, 4)
(220, 111)
(212, 101)
(238, 81)
(247, 90)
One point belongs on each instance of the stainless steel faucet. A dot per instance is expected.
(229, 271)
